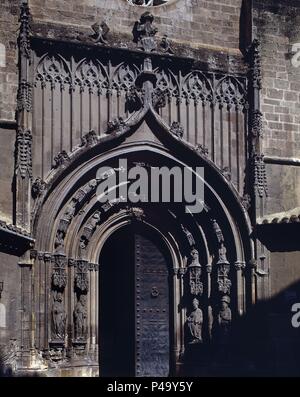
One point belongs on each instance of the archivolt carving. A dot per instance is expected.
(53, 69)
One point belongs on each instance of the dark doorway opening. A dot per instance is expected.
(116, 297)
(134, 304)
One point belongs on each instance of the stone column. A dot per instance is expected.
(240, 287)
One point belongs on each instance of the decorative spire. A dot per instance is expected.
(24, 34)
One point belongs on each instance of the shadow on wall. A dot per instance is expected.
(261, 343)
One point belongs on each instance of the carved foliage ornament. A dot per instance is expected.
(24, 42)
(89, 139)
(59, 276)
(194, 271)
(81, 277)
(38, 187)
(24, 155)
(176, 129)
(61, 158)
(260, 175)
(116, 125)
(256, 64)
(24, 100)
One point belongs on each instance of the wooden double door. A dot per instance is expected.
(135, 302)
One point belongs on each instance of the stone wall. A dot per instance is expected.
(277, 26)
(213, 22)
(10, 310)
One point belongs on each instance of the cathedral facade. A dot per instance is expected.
(121, 284)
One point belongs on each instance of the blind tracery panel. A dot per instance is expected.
(74, 95)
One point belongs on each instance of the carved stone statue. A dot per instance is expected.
(101, 30)
(59, 242)
(144, 32)
(80, 318)
(195, 258)
(195, 321)
(224, 318)
(222, 254)
(58, 316)
(70, 209)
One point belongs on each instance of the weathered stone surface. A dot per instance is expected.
(195, 79)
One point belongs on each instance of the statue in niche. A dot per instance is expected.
(195, 258)
(80, 318)
(59, 242)
(222, 254)
(224, 318)
(195, 321)
(58, 316)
